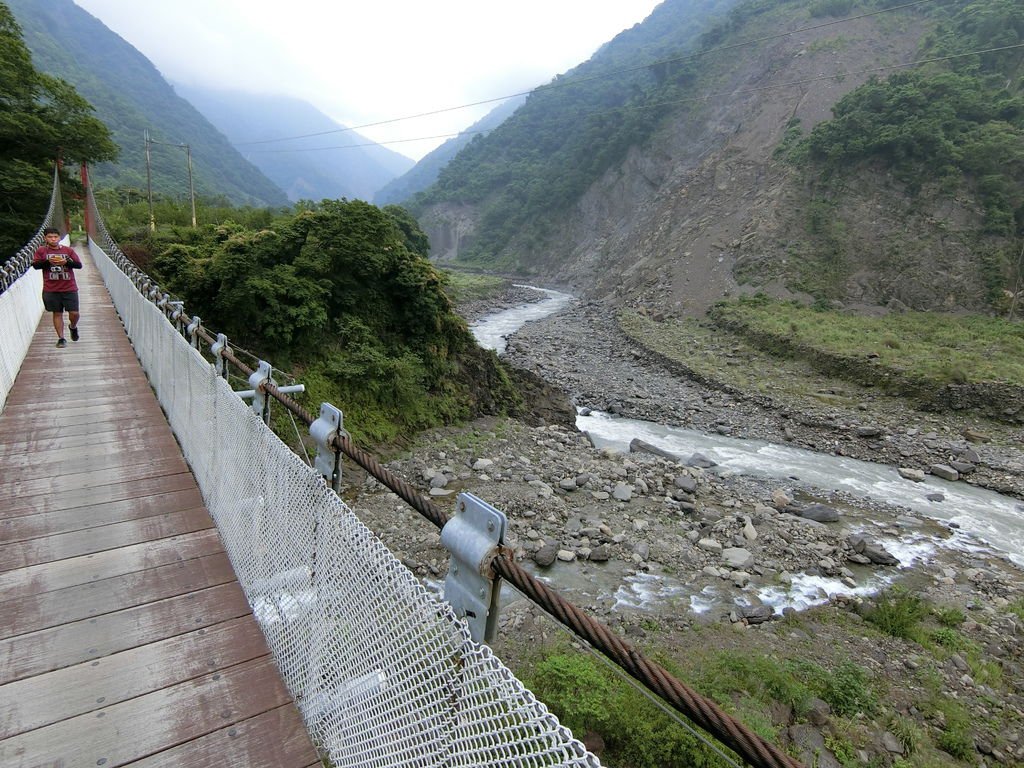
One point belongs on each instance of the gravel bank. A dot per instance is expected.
(659, 549)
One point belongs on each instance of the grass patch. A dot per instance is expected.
(953, 717)
(587, 696)
(927, 345)
(466, 286)
(703, 350)
(830, 45)
(898, 613)
(949, 616)
(1017, 608)
(907, 732)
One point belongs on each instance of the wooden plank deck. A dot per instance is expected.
(125, 638)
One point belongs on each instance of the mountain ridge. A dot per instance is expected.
(426, 171)
(128, 92)
(356, 168)
(714, 202)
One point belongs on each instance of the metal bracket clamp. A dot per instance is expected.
(473, 536)
(323, 431)
(193, 330)
(177, 311)
(217, 348)
(260, 399)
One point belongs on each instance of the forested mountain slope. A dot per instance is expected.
(130, 96)
(355, 167)
(676, 184)
(426, 171)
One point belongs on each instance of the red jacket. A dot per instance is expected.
(57, 278)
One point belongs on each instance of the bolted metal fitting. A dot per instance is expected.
(324, 431)
(217, 348)
(474, 536)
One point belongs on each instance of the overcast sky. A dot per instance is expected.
(375, 60)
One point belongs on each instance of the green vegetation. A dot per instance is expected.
(907, 732)
(923, 345)
(587, 697)
(958, 122)
(41, 118)
(338, 294)
(952, 130)
(898, 613)
(1017, 609)
(949, 616)
(465, 286)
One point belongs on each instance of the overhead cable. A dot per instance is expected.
(705, 97)
(566, 82)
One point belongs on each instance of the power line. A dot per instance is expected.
(577, 81)
(705, 97)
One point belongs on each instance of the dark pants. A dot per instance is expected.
(60, 301)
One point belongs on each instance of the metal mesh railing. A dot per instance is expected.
(18, 264)
(382, 671)
(21, 303)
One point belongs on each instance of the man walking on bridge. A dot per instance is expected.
(60, 291)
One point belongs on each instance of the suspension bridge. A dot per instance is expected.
(179, 589)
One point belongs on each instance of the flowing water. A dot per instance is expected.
(492, 331)
(981, 518)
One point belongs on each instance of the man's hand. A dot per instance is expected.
(57, 259)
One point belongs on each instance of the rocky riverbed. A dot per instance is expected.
(676, 555)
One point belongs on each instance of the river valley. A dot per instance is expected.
(736, 515)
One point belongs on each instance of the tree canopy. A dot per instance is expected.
(41, 118)
(960, 121)
(343, 292)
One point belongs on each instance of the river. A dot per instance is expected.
(990, 517)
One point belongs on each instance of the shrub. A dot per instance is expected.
(574, 688)
(950, 616)
(957, 741)
(907, 732)
(948, 638)
(848, 691)
(585, 695)
(898, 613)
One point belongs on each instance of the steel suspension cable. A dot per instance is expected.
(701, 710)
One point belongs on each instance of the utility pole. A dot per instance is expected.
(191, 187)
(149, 183)
(1017, 288)
(188, 156)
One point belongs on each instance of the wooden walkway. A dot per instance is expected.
(124, 636)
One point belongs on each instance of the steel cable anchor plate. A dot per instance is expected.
(474, 536)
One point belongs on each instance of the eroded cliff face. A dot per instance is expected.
(706, 210)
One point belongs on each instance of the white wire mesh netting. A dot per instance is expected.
(383, 672)
(21, 307)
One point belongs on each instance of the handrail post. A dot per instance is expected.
(260, 399)
(193, 330)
